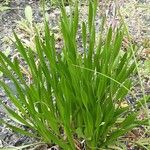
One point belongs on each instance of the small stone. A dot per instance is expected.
(41, 147)
(1, 144)
(53, 148)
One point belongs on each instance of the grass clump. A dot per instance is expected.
(72, 96)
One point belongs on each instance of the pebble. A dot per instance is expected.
(1, 144)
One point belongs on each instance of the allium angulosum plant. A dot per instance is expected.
(72, 95)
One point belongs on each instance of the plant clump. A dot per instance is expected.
(73, 96)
